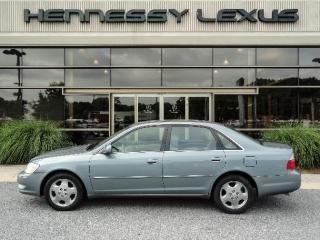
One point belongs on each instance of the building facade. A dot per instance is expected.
(97, 66)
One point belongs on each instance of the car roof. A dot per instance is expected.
(174, 121)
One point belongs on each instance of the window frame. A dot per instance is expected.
(163, 141)
(169, 132)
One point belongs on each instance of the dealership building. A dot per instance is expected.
(98, 66)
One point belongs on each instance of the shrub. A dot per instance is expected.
(23, 140)
(304, 141)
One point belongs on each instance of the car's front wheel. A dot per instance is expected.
(234, 194)
(63, 192)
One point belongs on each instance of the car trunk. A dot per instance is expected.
(274, 144)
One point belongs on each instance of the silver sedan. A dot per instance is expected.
(165, 158)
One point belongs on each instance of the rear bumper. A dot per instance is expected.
(30, 183)
(271, 185)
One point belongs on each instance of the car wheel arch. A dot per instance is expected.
(50, 174)
(239, 173)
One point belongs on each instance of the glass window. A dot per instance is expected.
(43, 57)
(309, 56)
(187, 77)
(11, 104)
(174, 107)
(310, 105)
(42, 77)
(277, 106)
(136, 77)
(136, 56)
(87, 56)
(277, 56)
(123, 112)
(9, 78)
(309, 77)
(31, 104)
(235, 110)
(187, 56)
(11, 56)
(277, 77)
(147, 139)
(87, 137)
(44, 104)
(199, 108)
(87, 111)
(234, 56)
(87, 77)
(233, 77)
(227, 143)
(192, 138)
(148, 108)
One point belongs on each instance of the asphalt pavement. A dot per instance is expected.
(277, 217)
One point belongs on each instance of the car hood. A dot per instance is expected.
(275, 144)
(62, 152)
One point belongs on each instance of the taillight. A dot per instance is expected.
(291, 164)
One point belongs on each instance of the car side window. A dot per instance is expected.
(148, 139)
(192, 138)
(227, 143)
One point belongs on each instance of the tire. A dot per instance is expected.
(234, 194)
(63, 192)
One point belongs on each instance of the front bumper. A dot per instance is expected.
(283, 184)
(30, 183)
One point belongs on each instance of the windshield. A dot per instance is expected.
(98, 144)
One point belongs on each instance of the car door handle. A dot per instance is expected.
(216, 159)
(152, 161)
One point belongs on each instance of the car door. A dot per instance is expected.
(133, 167)
(193, 158)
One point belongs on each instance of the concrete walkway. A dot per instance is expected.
(310, 181)
(8, 173)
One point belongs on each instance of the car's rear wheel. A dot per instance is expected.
(63, 192)
(234, 194)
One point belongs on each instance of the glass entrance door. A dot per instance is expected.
(174, 107)
(199, 108)
(128, 109)
(123, 112)
(190, 107)
(148, 108)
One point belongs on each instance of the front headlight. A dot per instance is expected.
(31, 168)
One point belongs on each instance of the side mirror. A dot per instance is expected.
(107, 150)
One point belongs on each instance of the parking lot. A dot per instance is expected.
(278, 217)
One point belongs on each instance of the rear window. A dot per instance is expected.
(227, 143)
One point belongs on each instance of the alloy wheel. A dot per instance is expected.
(63, 192)
(234, 195)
